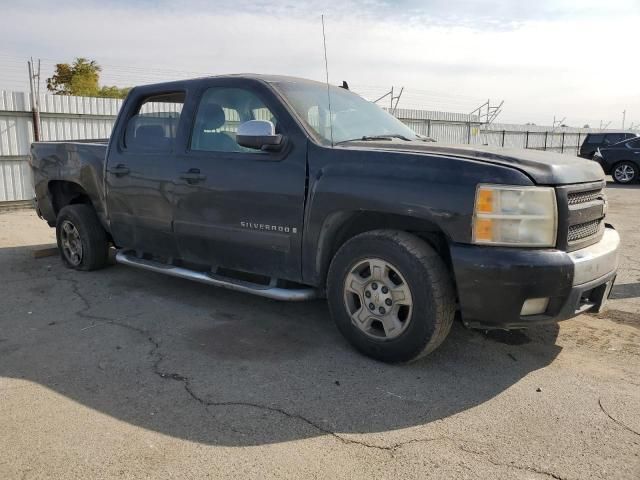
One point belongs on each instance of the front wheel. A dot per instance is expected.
(391, 295)
(625, 172)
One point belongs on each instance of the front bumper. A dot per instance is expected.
(493, 282)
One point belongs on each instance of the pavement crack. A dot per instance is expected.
(272, 409)
(84, 311)
(604, 410)
(523, 468)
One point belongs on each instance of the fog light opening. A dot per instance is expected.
(534, 306)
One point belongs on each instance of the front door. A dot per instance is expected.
(239, 208)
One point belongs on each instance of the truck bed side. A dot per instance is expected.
(68, 172)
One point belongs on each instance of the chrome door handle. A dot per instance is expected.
(193, 176)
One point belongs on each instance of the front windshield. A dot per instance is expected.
(352, 116)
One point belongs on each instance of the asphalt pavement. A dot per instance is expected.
(122, 373)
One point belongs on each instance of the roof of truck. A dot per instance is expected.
(248, 76)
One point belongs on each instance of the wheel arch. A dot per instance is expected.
(65, 192)
(339, 227)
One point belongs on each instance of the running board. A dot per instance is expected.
(268, 291)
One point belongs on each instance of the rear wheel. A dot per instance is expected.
(82, 241)
(391, 295)
(625, 172)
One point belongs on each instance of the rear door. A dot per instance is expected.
(140, 174)
(239, 208)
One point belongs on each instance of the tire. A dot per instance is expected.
(625, 173)
(79, 230)
(409, 265)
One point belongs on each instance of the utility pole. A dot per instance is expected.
(34, 96)
(624, 114)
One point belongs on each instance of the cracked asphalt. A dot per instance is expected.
(122, 373)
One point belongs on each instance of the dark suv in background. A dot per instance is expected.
(621, 161)
(593, 141)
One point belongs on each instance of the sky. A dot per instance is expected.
(572, 59)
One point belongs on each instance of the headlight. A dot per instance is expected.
(515, 216)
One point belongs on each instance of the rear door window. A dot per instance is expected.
(595, 139)
(612, 138)
(154, 125)
(634, 143)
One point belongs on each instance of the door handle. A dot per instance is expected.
(119, 170)
(193, 176)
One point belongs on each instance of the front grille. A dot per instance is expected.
(581, 212)
(576, 198)
(584, 230)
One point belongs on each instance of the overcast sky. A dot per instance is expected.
(577, 59)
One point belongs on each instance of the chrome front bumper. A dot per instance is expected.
(596, 261)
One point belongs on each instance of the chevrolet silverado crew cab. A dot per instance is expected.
(288, 189)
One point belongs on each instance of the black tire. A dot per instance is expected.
(428, 279)
(92, 237)
(629, 166)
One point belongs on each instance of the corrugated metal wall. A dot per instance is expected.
(459, 128)
(72, 118)
(61, 118)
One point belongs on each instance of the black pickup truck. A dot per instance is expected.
(288, 189)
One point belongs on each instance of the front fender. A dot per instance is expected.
(427, 192)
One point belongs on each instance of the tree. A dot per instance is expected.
(82, 78)
(113, 92)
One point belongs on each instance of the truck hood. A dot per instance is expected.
(546, 168)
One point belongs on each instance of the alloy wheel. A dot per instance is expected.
(378, 299)
(71, 243)
(624, 173)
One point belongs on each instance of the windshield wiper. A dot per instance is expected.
(367, 138)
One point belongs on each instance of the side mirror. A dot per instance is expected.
(258, 134)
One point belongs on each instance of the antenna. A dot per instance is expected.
(326, 70)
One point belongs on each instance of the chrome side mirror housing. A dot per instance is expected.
(258, 134)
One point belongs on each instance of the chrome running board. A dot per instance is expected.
(268, 291)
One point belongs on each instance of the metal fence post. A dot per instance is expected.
(578, 145)
(468, 132)
(546, 134)
(504, 132)
(526, 140)
(562, 144)
(428, 127)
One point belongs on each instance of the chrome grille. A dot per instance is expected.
(584, 230)
(581, 212)
(576, 198)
